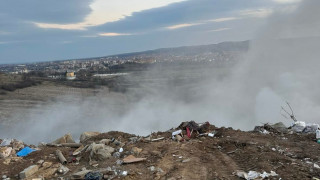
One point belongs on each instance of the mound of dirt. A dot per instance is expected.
(197, 155)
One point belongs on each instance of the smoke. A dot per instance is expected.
(281, 65)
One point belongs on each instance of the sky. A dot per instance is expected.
(45, 30)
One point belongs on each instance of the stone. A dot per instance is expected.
(17, 145)
(136, 150)
(46, 165)
(67, 138)
(105, 141)
(28, 171)
(5, 152)
(116, 155)
(86, 135)
(133, 139)
(40, 162)
(156, 153)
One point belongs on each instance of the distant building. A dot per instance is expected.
(70, 76)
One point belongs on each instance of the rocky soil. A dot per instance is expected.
(229, 154)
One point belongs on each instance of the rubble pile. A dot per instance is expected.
(190, 151)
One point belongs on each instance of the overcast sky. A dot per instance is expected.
(43, 30)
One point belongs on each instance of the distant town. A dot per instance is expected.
(215, 54)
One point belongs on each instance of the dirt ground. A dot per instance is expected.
(291, 156)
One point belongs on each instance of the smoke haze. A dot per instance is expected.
(281, 65)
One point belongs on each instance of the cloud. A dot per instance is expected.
(49, 11)
(220, 29)
(178, 26)
(60, 26)
(109, 11)
(223, 19)
(40, 27)
(114, 34)
(258, 13)
(286, 1)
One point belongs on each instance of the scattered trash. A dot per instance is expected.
(211, 134)
(176, 133)
(25, 151)
(298, 126)
(186, 160)
(93, 176)
(124, 173)
(318, 133)
(62, 159)
(316, 166)
(6, 142)
(63, 169)
(132, 159)
(116, 155)
(158, 139)
(254, 174)
(80, 174)
(100, 151)
(121, 150)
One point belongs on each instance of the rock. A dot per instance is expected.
(116, 155)
(28, 171)
(5, 152)
(46, 165)
(133, 139)
(7, 161)
(64, 139)
(156, 153)
(105, 141)
(40, 162)
(86, 135)
(17, 145)
(63, 169)
(136, 150)
(119, 162)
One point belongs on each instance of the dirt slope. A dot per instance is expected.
(291, 156)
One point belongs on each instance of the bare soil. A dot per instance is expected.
(291, 156)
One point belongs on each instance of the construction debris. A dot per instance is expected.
(61, 157)
(179, 153)
(132, 159)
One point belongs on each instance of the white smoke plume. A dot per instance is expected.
(281, 65)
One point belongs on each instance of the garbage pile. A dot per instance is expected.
(116, 155)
